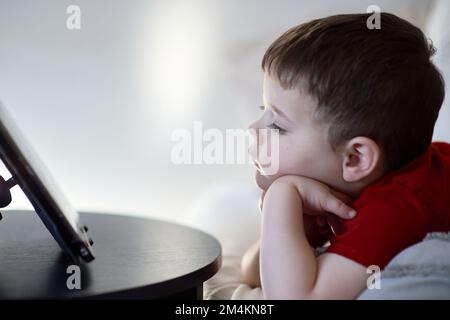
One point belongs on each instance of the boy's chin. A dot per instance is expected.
(262, 181)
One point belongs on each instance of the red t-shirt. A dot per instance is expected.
(398, 210)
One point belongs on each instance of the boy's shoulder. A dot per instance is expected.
(399, 210)
(426, 178)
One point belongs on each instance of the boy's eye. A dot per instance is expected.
(275, 126)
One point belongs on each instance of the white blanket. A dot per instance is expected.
(226, 285)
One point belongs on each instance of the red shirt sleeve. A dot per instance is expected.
(390, 218)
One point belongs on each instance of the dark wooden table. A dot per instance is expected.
(136, 258)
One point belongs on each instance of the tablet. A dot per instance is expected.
(62, 221)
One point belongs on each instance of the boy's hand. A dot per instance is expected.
(323, 206)
(318, 200)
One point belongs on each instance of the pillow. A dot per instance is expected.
(421, 271)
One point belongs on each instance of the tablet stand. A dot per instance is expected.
(5, 194)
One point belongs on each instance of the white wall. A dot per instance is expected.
(99, 104)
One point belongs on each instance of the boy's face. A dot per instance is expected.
(303, 144)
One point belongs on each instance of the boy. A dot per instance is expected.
(355, 111)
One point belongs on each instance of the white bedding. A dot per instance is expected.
(419, 272)
(225, 285)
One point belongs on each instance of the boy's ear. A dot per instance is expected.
(361, 156)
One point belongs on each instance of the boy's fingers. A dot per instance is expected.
(338, 207)
(341, 196)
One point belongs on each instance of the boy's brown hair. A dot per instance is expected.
(377, 83)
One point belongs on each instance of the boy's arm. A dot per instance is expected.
(250, 260)
(289, 268)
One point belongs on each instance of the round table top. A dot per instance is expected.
(134, 257)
